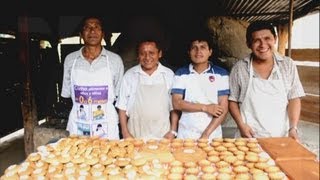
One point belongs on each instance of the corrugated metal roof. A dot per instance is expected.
(277, 11)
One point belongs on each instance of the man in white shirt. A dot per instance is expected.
(265, 88)
(144, 103)
(91, 77)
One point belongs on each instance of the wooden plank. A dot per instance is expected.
(309, 77)
(310, 109)
(300, 169)
(305, 54)
(277, 148)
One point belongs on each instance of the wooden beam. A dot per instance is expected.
(282, 38)
(28, 103)
(290, 26)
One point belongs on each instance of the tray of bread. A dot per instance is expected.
(79, 157)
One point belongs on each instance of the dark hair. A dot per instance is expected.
(84, 19)
(200, 35)
(257, 26)
(81, 106)
(149, 39)
(99, 125)
(99, 106)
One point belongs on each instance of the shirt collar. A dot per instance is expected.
(205, 71)
(278, 57)
(104, 53)
(160, 69)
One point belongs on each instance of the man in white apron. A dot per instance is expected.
(265, 88)
(200, 91)
(144, 103)
(91, 78)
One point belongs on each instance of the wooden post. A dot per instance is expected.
(290, 27)
(282, 38)
(28, 102)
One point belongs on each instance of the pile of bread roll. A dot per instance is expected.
(78, 157)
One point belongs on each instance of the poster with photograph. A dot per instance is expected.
(100, 129)
(83, 129)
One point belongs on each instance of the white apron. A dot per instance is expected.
(149, 116)
(264, 108)
(93, 113)
(204, 91)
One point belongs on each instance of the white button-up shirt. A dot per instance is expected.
(136, 75)
(115, 62)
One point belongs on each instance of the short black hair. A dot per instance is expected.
(85, 18)
(200, 35)
(149, 39)
(257, 26)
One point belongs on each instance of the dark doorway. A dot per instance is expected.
(11, 80)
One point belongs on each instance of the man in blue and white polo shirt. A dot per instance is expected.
(200, 90)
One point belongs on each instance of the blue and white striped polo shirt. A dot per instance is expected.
(186, 77)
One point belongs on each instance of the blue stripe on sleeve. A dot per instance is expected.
(177, 91)
(224, 92)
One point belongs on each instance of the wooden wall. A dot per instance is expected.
(309, 76)
(305, 54)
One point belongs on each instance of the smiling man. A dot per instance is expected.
(265, 88)
(144, 104)
(200, 90)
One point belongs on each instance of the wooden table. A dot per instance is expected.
(294, 159)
